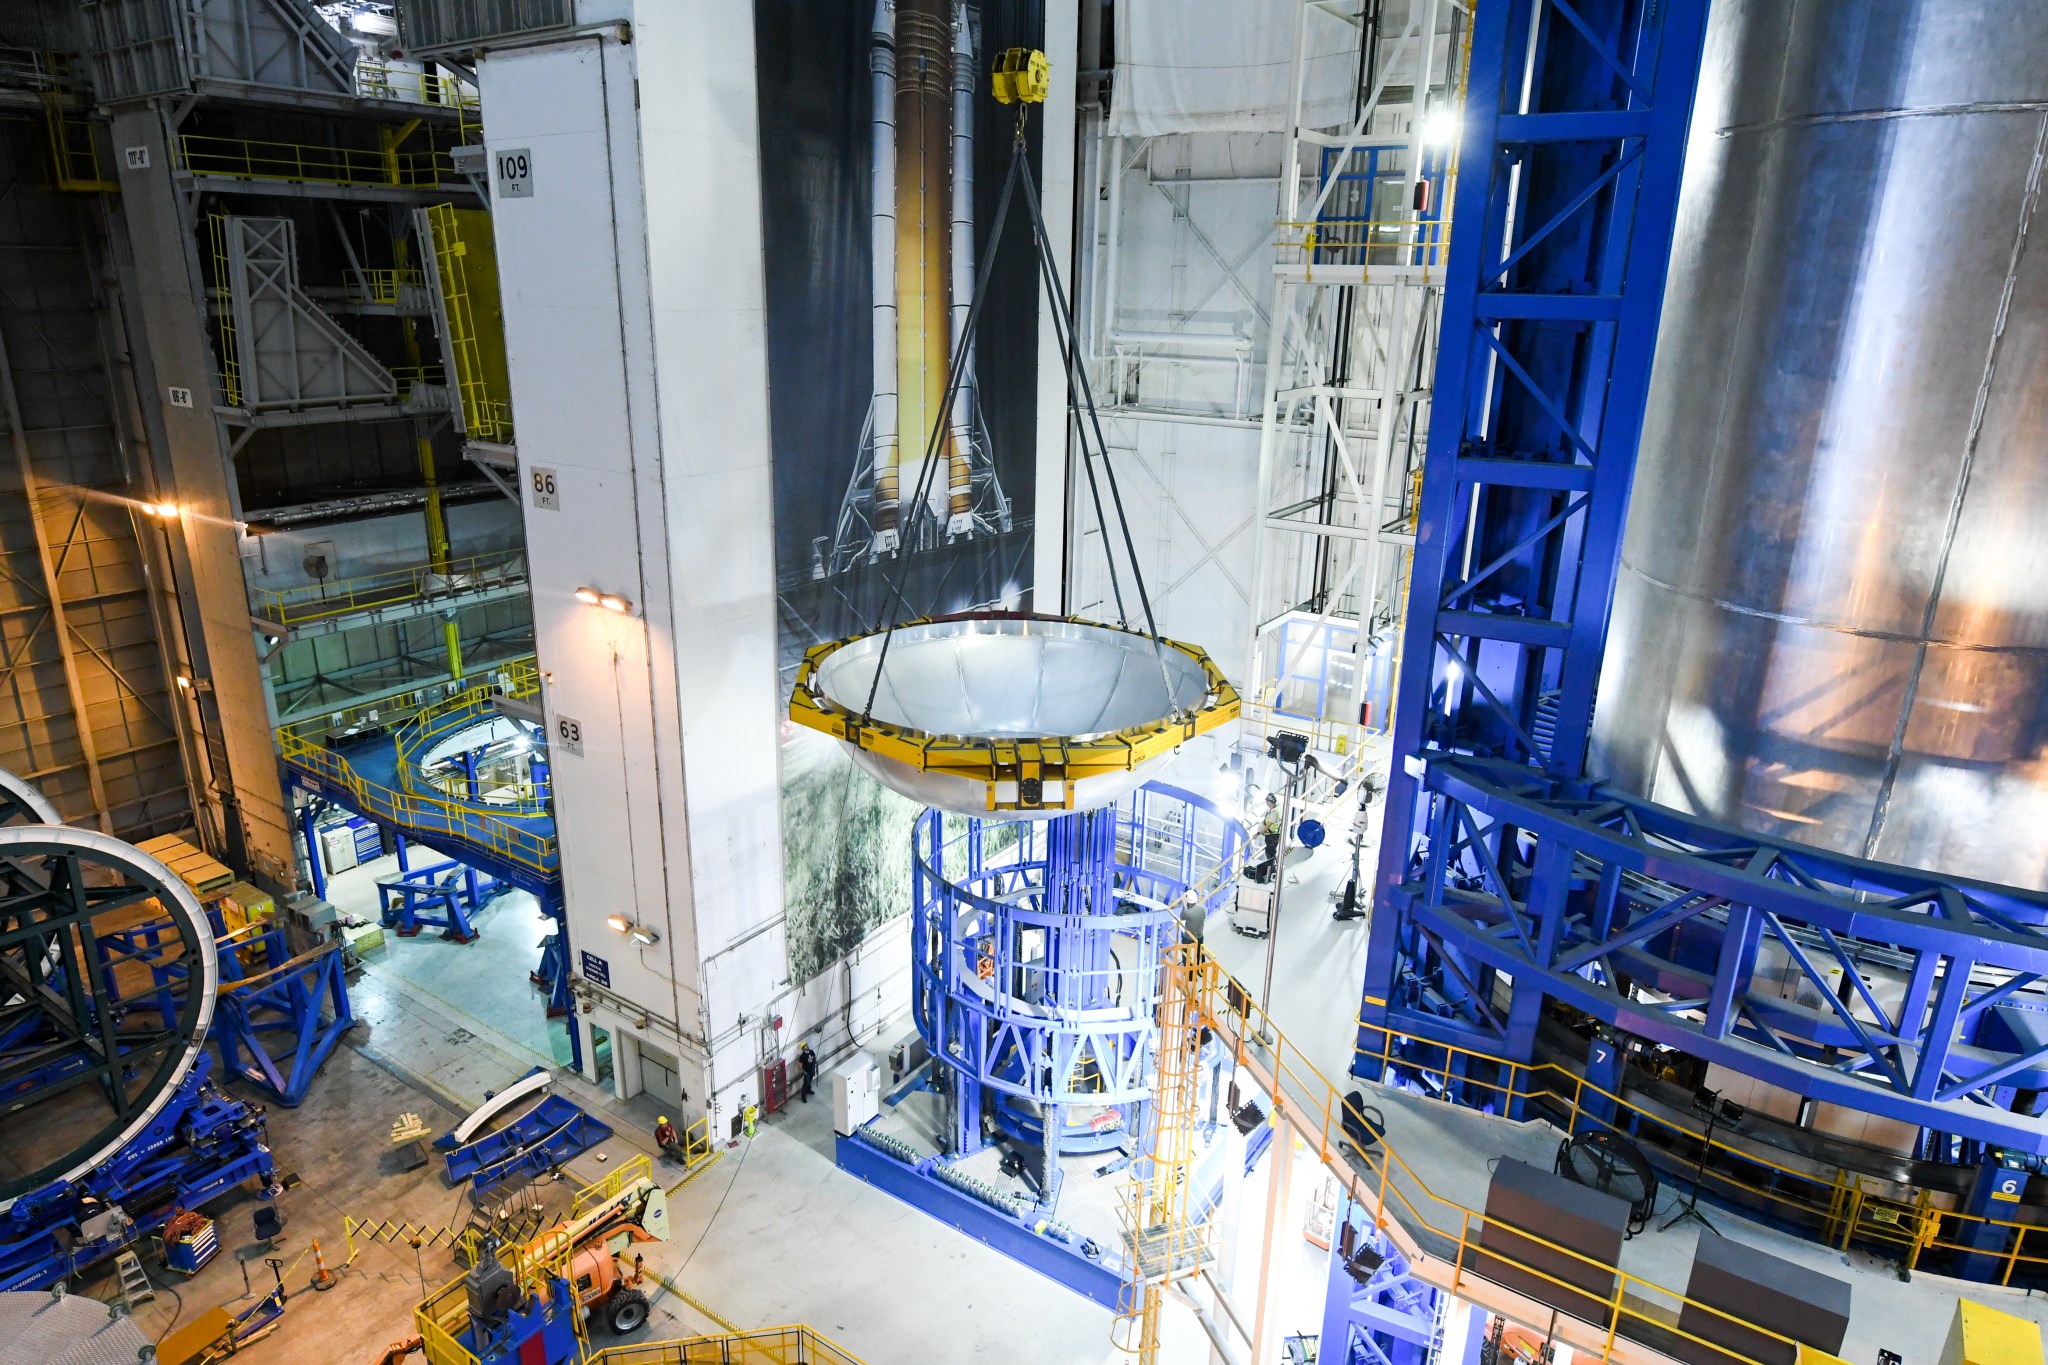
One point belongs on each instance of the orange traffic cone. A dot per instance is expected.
(323, 1278)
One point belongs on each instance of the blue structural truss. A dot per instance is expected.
(1573, 139)
(1504, 856)
(1375, 1311)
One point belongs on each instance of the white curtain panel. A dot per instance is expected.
(1225, 66)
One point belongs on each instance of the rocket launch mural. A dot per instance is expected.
(877, 195)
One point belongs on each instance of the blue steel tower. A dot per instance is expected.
(1510, 877)
(1573, 138)
(1037, 950)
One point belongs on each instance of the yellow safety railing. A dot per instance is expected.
(1844, 1207)
(442, 1316)
(376, 81)
(767, 1346)
(223, 312)
(1348, 741)
(305, 164)
(303, 746)
(384, 286)
(486, 416)
(590, 1196)
(1434, 1224)
(387, 588)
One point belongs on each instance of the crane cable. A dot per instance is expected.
(1077, 386)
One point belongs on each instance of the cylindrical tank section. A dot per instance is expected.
(1832, 616)
(930, 183)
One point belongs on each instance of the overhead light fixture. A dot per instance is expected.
(589, 595)
(611, 601)
(165, 510)
(619, 923)
(1440, 129)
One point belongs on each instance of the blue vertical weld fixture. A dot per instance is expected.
(1573, 140)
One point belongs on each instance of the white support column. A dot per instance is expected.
(625, 1064)
(1279, 1186)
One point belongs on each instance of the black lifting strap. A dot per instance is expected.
(1077, 388)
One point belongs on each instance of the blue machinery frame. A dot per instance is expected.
(1035, 982)
(1658, 923)
(1573, 138)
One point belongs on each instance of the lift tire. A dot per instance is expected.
(627, 1312)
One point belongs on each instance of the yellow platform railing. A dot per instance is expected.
(386, 588)
(767, 1346)
(303, 746)
(1845, 1206)
(1436, 1227)
(486, 414)
(384, 285)
(306, 164)
(375, 80)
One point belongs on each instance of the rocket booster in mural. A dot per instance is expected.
(921, 56)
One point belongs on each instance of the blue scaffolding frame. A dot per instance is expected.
(1573, 137)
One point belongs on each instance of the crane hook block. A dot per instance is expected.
(1022, 76)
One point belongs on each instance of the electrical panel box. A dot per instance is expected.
(337, 848)
(856, 1093)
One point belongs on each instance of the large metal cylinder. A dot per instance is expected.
(1832, 616)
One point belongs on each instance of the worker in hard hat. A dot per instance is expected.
(665, 1138)
(1269, 830)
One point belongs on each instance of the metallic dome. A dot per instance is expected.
(1029, 716)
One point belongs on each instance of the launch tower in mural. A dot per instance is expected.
(921, 60)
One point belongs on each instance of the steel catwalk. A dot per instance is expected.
(1831, 623)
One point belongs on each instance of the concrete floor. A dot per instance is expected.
(483, 980)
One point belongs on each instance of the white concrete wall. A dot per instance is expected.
(635, 328)
(572, 262)
(699, 144)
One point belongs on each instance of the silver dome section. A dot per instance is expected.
(1011, 716)
(1831, 622)
(1015, 678)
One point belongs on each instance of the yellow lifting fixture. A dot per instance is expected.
(1022, 76)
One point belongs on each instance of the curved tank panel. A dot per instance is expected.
(1832, 617)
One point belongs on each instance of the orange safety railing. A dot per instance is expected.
(1844, 1207)
(387, 588)
(1443, 1238)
